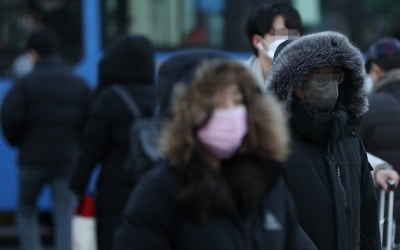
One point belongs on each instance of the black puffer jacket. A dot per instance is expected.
(328, 172)
(128, 63)
(44, 113)
(106, 142)
(380, 127)
(153, 220)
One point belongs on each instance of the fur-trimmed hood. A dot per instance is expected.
(325, 49)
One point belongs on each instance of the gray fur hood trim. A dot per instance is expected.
(323, 49)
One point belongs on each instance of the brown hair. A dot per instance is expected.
(243, 183)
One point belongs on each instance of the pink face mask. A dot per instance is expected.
(224, 132)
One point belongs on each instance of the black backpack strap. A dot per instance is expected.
(128, 100)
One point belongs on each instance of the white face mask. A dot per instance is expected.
(368, 84)
(270, 51)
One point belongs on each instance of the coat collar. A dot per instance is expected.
(391, 77)
(254, 65)
(49, 61)
(318, 128)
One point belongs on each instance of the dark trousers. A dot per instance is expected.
(31, 183)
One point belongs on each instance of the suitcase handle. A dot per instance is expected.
(391, 184)
(389, 235)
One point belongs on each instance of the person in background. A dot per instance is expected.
(31, 21)
(221, 186)
(320, 79)
(43, 115)
(380, 128)
(179, 68)
(268, 26)
(127, 64)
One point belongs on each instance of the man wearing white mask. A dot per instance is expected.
(266, 28)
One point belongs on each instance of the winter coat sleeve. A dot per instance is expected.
(149, 216)
(86, 106)
(369, 228)
(13, 114)
(377, 164)
(95, 140)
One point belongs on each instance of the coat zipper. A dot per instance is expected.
(247, 227)
(339, 175)
(338, 172)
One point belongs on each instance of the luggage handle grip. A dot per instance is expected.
(391, 184)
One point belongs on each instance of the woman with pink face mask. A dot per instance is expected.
(221, 185)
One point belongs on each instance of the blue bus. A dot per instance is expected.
(86, 27)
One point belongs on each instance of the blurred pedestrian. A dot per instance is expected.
(31, 21)
(128, 64)
(380, 128)
(266, 28)
(43, 114)
(320, 78)
(221, 186)
(180, 68)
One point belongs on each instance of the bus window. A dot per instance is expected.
(363, 21)
(20, 17)
(173, 24)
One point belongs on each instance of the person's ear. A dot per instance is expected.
(376, 72)
(256, 41)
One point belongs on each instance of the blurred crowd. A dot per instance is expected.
(284, 151)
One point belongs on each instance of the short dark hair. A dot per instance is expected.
(261, 19)
(44, 42)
